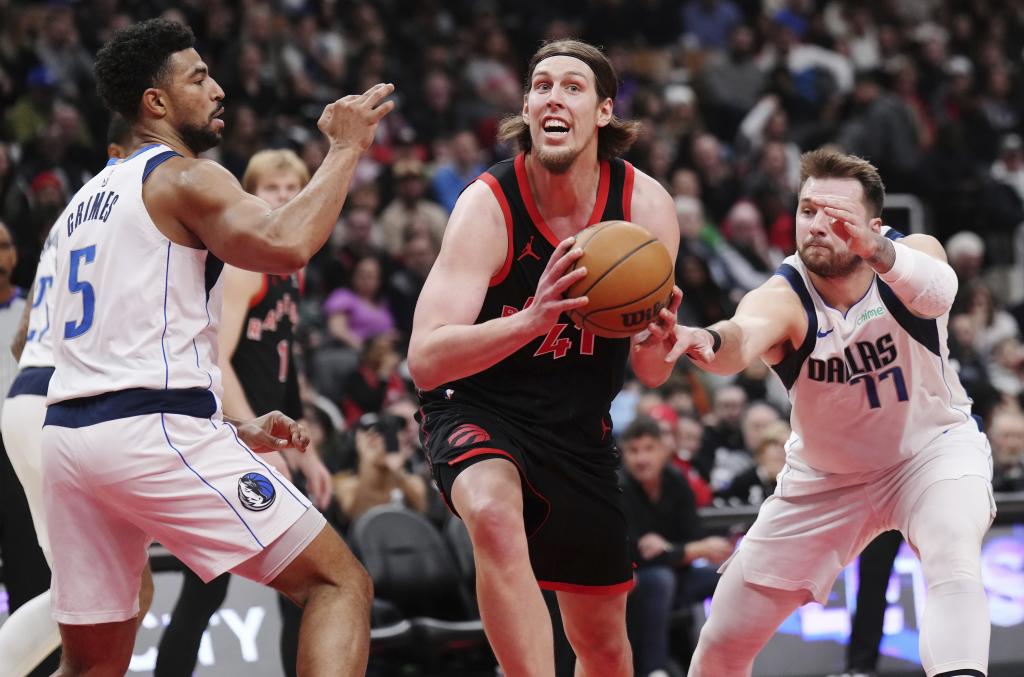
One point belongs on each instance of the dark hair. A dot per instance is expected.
(613, 139)
(826, 163)
(642, 426)
(134, 60)
(119, 131)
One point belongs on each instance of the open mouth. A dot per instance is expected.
(555, 127)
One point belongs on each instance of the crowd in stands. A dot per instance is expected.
(729, 92)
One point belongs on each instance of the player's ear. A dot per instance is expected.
(526, 110)
(154, 102)
(875, 224)
(605, 112)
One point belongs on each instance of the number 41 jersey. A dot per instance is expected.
(870, 387)
(131, 308)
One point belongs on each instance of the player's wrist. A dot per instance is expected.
(716, 339)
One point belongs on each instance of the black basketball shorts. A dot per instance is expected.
(573, 512)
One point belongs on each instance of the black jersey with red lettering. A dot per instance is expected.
(559, 386)
(263, 357)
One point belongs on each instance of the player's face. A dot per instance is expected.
(644, 457)
(563, 111)
(194, 101)
(277, 188)
(822, 251)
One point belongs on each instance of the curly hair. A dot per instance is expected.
(135, 59)
(615, 138)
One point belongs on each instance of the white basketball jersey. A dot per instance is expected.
(38, 351)
(131, 308)
(869, 387)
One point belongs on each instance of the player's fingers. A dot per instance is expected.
(377, 93)
(566, 305)
(676, 351)
(380, 111)
(657, 331)
(675, 300)
(568, 280)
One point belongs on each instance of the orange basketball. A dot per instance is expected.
(629, 279)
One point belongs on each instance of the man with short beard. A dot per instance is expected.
(135, 446)
(515, 398)
(855, 326)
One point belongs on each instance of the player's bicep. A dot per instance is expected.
(474, 249)
(654, 209)
(925, 244)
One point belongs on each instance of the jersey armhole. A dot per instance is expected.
(506, 211)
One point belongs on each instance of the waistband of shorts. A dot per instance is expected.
(31, 381)
(86, 411)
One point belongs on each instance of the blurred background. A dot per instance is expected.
(729, 92)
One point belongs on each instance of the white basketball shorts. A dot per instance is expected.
(113, 486)
(802, 542)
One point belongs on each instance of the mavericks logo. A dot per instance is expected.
(255, 491)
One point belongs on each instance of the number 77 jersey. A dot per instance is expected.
(870, 387)
(131, 309)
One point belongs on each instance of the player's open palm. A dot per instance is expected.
(351, 121)
(849, 221)
(549, 302)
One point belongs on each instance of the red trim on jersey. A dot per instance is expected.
(627, 192)
(262, 293)
(302, 280)
(531, 206)
(615, 589)
(495, 187)
(480, 451)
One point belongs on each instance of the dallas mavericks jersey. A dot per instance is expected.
(131, 308)
(869, 387)
(38, 351)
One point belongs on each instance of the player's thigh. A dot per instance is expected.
(950, 516)
(325, 561)
(100, 650)
(21, 425)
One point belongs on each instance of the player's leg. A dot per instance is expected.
(100, 650)
(489, 497)
(335, 594)
(179, 645)
(743, 618)
(946, 527)
(596, 628)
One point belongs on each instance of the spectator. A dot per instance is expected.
(746, 252)
(418, 256)
(360, 313)
(710, 22)
(965, 252)
(1009, 167)
(375, 383)
(1006, 433)
(667, 537)
(410, 206)
(465, 165)
(358, 241)
(718, 184)
(993, 324)
(383, 474)
(731, 82)
(1006, 368)
(722, 453)
(757, 483)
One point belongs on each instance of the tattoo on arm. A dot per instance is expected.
(885, 257)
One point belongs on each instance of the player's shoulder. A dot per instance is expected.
(654, 208)
(648, 193)
(479, 207)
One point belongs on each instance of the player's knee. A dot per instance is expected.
(600, 645)
(493, 526)
(952, 553)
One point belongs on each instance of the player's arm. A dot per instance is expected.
(446, 344)
(654, 209)
(768, 323)
(914, 267)
(241, 229)
(240, 286)
(21, 335)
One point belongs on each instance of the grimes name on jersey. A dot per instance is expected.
(96, 208)
(859, 358)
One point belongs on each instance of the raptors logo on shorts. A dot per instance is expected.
(468, 434)
(256, 491)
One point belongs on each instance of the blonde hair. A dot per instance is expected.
(776, 432)
(827, 163)
(269, 161)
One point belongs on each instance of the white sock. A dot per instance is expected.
(28, 636)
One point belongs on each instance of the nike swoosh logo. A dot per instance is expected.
(823, 334)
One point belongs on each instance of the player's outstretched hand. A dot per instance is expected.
(273, 432)
(661, 334)
(549, 302)
(351, 121)
(849, 220)
(694, 342)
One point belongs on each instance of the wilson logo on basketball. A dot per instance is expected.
(642, 317)
(468, 434)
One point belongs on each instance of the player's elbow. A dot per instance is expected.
(421, 368)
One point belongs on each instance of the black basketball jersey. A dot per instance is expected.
(263, 357)
(559, 386)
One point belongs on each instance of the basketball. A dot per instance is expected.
(629, 279)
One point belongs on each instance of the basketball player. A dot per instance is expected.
(257, 330)
(883, 438)
(30, 633)
(134, 444)
(515, 398)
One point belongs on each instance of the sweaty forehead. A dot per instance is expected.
(848, 188)
(561, 64)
